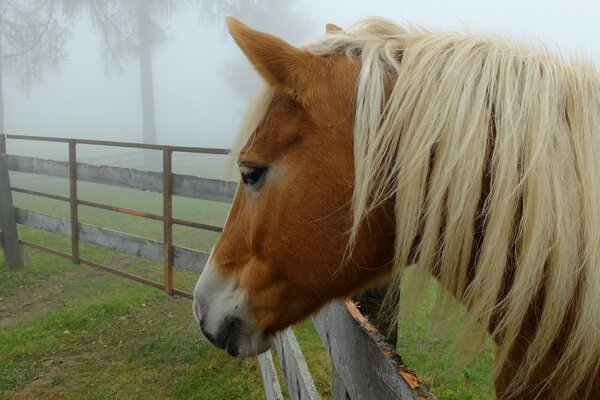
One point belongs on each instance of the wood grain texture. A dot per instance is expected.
(368, 366)
(269, 376)
(299, 381)
(338, 390)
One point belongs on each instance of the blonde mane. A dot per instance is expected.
(439, 115)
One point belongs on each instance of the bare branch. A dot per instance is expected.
(31, 40)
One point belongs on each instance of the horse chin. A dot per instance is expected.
(249, 346)
(223, 316)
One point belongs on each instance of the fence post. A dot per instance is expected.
(369, 303)
(13, 251)
(74, 202)
(168, 219)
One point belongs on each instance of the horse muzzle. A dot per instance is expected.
(223, 317)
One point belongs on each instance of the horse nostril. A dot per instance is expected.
(227, 331)
(230, 330)
(230, 326)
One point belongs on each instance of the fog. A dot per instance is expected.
(200, 80)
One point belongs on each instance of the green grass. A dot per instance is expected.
(98, 336)
(92, 335)
(428, 350)
(69, 331)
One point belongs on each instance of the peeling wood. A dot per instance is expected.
(366, 364)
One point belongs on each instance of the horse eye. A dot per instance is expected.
(251, 175)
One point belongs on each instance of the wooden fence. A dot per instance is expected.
(364, 365)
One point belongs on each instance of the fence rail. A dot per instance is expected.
(167, 183)
(183, 185)
(364, 365)
(353, 343)
(184, 258)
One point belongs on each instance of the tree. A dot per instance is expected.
(130, 30)
(31, 43)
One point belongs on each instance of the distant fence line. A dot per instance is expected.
(364, 365)
(128, 159)
(188, 259)
(183, 185)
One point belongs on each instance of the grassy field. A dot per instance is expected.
(69, 331)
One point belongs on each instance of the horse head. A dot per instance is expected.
(284, 250)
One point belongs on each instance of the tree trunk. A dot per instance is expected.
(1, 93)
(146, 80)
(1, 100)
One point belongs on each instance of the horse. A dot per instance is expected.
(472, 157)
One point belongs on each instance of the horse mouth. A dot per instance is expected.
(232, 347)
(225, 338)
(237, 345)
(236, 339)
(223, 317)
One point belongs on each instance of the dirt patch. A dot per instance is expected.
(35, 299)
(55, 376)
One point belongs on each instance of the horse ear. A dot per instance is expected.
(282, 65)
(333, 28)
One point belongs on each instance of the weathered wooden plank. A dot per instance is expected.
(297, 376)
(73, 202)
(183, 185)
(368, 367)
(338, 390)
(168, 248)
(13, 252)
(185, 258)
(123, 177)
(44, 222)
(202, 188)
(123, 242)
(269, 376)
(189, 259)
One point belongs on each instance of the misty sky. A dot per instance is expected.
(197, 105)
